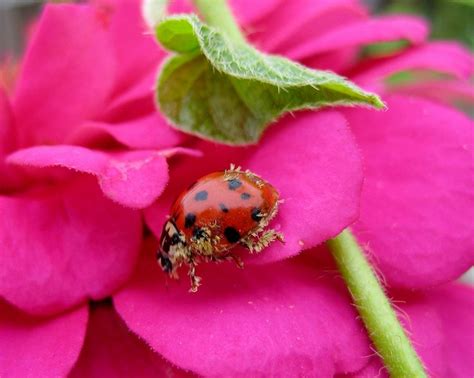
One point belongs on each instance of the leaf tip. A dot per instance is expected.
(377, 102)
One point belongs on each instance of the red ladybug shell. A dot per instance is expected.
(230, 205)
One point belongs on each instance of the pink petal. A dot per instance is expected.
(311, 159)
(39, 347)
(111, 350)
(444, 57)
(136, 180)
(450, 92)
(454, 304)
(246, 11)
(249, 11)
(374, 369)
(70, 59)
(78, 158)
(360, 33)
(149, 132)
(440, 323)
(9, 177)
(7, 130)
(133, 179)
(61, 247)
(138, 55)
(180, 6)
(300, 21)
(339, 61)
(423, 325)
(136, 52)
(259, 321)
(139, 90)
(418, 190)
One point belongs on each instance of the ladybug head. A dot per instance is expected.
(172, 250)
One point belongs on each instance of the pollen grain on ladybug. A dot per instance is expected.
(215, 214)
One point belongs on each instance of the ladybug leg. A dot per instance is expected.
(236, 259)
(230, 257)
(174, 275)
(257, 243)
(195, 280)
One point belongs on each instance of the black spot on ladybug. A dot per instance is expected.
(234, 184)
(245, 196)
(189, 220)
(256, 214)
(201, 196)
(231, 234)
(224, 208)
(175, 239)
(165, 263)
(199, 233)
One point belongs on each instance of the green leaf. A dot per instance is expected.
(230, 92)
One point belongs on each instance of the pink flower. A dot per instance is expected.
(402, 179)
(76, 105)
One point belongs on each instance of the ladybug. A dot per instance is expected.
(218, 212)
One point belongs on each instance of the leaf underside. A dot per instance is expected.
(230, 92)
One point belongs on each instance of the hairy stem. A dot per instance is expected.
(217, 13)
(375, 309)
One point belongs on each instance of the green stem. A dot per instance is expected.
(375, 309)
(218, 14)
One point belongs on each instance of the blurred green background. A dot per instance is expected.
(450, 19)
(453, 19)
